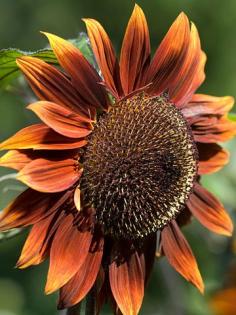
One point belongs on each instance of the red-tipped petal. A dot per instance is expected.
(84, 76)
(17, 159)
(28, 208)
(127, 283)
(135, 52)
(60, 119)
(105, 55)
(170, 56)
(211, 158)
(50, 175)
(40, 137)
(77, 288)
(68, 253)
(50, 84)
(179, 254)
(209, 211)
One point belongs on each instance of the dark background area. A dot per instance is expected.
(21, 292)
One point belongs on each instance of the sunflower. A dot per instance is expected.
(114, 167)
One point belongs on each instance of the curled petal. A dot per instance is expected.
(179, 254)
(17, 159)
(170, 56)
(68, 253)
(60, 119)
(40, 137)
(209, 211)
(77, 288)
(50, 175)
(50, 84)
(211, 158)
(84, 76)
(135, 52)
(105, 55)
(127, 283)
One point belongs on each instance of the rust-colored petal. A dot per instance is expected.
(68, 253)
(17, 159)
(49, 84)
(40, 137)
(223, 302)
(209, 211)
(84, 77)
(50, 175)
(170, 56)
(135, 52)
(105, 55)
(28, 208)
(37, 244)
(212, 158)
(179, 254)
(77, 288)
(60, 119)
(127, 283)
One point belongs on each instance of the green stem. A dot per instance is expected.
(90, 308)
(74, 310)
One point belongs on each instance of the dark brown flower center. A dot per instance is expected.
(139, 166)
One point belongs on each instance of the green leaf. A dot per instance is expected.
(9, 69)
(232, 116)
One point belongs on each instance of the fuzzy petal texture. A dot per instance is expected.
(209, 211)
(77, 288)
(40, 137)
(212, 158)
(48, 83)
(60, 119)
(84, 77)
(50, 175)
(179, 254)
(68, 253)
(105, 56)
(127, 280)
(135, 52)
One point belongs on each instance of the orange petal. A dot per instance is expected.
(78, 287)
(135, 52)
(37, 244)
(209, 211)
(50, 84)
(223, 302)
(17, 159)
(105, 55)
(170, 56)
(179, 254)
(68, 253)
(60, 119)
(127, 284)
(40, 137)
(50, 175)
(28, 208)
(84, 76)
(211, 158)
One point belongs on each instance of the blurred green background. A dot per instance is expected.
(21, 292)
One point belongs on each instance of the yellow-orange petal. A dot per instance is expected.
(105, 56)
(50, 175)
(127, 283)
(60, 119)
(84, 77)
(40, 137)
(49, 84)
(77, 198)
(209, 211)
(68, 253)
(135, 52)
(170, 56)
(77, 288)
(179, 254)
(212, 158)
(17, 159)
